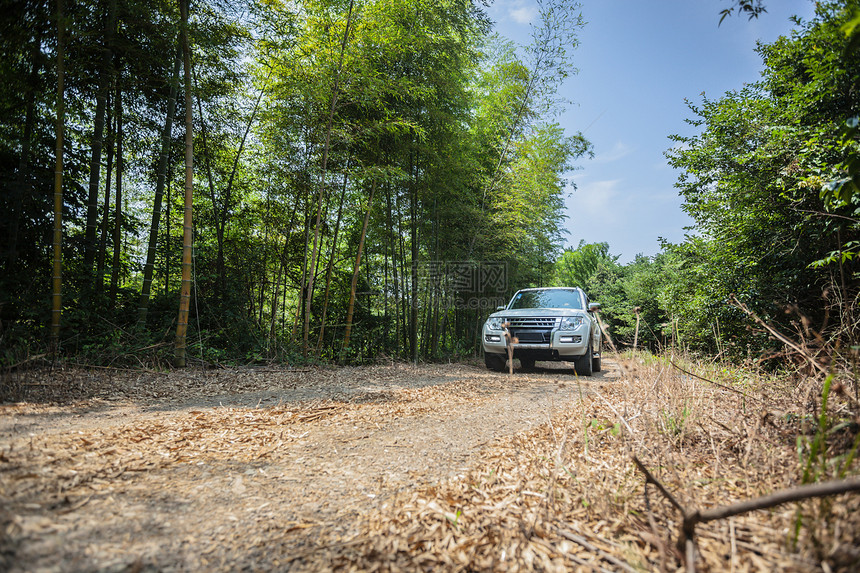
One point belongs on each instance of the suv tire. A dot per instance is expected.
(596, 361)
(583, 364)
(495, 362)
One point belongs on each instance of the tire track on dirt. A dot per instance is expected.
(197, 492)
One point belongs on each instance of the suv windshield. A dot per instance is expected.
(547, 299)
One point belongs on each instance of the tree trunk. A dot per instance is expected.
(185, 290)
(300, 307)
(313, 263)
(228, 193)
(264, 268)
(434, 332)
(386, 314)
(331, 266)
(404, 302)
(394, 276)
(57, 297)
(98, 142)
(102, 250)
(161, 177)
(220, 212)
(494, 178)
(117, 229)
(167, 212)
(282, 266)
(207, 163)
(413, 215)
(276, 290)
(355, 271)
(23, 178)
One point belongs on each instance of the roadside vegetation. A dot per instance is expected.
(570, 495)
(369, 179)
(769, 183)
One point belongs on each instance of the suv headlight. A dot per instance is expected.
(571, 322)
(494, 323)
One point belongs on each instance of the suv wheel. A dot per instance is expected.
(495, 362)
(583, 364)
(596, 360)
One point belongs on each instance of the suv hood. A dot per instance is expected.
(529, 312)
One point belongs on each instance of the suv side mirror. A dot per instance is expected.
(501, 307)
(592, 306)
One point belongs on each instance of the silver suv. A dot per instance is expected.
(545, 324)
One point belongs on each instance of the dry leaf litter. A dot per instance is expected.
(398, 468)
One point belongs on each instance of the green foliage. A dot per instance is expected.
(750, 181)
(750, 8)
(770, 182)
(577, 267)
(841, 192)
(674, 421)
(299, 110)
(621, 290)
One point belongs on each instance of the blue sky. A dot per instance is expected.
(637, 63)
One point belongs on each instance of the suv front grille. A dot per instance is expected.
(535, 322)
(533, 329)
(532, 336)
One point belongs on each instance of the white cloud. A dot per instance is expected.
(524, 14)
(517, 11)
(595, 200)
(619, 151)
(624, 214)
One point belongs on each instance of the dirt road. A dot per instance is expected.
(243, 469)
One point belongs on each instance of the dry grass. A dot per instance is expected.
(567, 496)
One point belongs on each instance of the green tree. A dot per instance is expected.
(751, 182)
(292, 129)
(577, 267)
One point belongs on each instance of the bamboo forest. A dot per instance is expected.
(300, 176)
(347, 181)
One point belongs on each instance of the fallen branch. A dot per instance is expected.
(692, 518)
(649, 478)
(25, 361)
(267, 370)
(799, 493)
(119, 369)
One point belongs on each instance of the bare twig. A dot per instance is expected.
(723, 386)
(25, 361)
(653, 524)
(510, 340)
(579, 540)
(780, 336)
(651, 479)
(823, 489)
(734, 544)
(120, 369)
(611, 407)
(693, 518)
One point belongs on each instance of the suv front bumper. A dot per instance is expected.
(562, 344)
